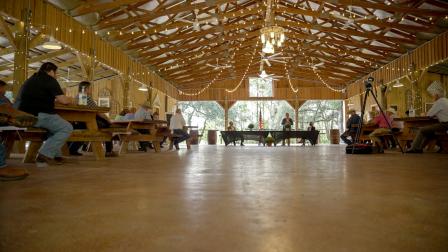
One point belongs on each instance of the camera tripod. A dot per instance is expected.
(363, 108)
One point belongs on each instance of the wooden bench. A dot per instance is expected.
(441, 140)
(128, 132)
(173, 137)
(36, 137)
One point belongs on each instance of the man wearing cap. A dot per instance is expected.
(438, 110)
(384, 122)
(352, 126)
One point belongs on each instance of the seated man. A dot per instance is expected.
(177, 124)
(122, 115)
(144, 112)
(101, 119)
(353, 123)
(8, 173)
(438, 110)
(311, 127)
(37, 96)
(130, 114)
(384, 123)
(232, 128)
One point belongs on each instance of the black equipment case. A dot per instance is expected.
(359, 149)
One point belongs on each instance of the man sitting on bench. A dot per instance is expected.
(384, 123)
(8, 173)
(177, 124)
(37, 96)
(102, 121)
(353, 123)
(439, 110)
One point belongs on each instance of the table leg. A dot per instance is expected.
(31, 153)
(97, 147)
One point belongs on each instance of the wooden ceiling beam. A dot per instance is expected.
(86, 8)
(148, 17)
(176, 36)
(357, 33)
(394, 8)
(186, 54)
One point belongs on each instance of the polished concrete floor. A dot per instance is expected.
(216, 198)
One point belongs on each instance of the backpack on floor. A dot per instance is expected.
(359, 148)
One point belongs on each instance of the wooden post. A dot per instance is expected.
(88, 65)
(20, 42)
(125, 81)
(226, 114)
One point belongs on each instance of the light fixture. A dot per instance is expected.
(271, 35)
(143, 88)
(268, 48)
(52, 45)
(397, 84)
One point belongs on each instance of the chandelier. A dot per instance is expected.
(272, 36)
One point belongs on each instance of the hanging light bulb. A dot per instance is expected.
(143, 88)
(52, 45)
(272, 34)
(263, 39)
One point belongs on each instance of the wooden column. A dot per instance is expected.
(226, 105)
(125, 81)
(383, 89)
(88, 64)
(296, 104)
(19, 43)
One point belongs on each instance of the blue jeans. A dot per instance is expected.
(182, 136)
(2, 155)
(59, 131)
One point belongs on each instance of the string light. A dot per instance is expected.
(294, 90)
(245, 72)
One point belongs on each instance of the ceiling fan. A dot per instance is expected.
(274, 58)
(217, 66)
(264, 75)
(352, 18)
(313, 66)
(196, 22)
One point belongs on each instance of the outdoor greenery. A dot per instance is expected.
(326, 115)
(260, 87)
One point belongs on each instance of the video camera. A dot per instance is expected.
(369, 83)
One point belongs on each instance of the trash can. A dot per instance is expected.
(194, 137)
(211, 137)
(334, 136)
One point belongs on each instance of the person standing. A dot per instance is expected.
(37, 96)
(438, 110)
(287, 124)
(177, 124)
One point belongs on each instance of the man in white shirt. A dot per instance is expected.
(438, 110)
(177, 124)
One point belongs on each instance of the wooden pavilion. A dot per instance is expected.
(225, 199)
(331, 47)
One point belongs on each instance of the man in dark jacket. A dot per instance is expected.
(353, 123)
(38, 96)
